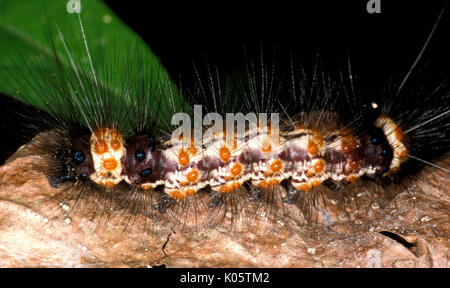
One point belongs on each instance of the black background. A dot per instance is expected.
(185, 32)
(379, 45)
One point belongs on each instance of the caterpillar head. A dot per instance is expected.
(73, 163)
(81, 157)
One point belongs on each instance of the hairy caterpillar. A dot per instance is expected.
(74, 167)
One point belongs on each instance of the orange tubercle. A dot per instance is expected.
(115, 144)
(274, 182)
(276, 165)
(109, 184)
(176, 194)
(304, 187)
(398, 133)
(236, 185)
(225, 154)
(192, 175)
(100, 132)
(312, 148)
(110, 164)
(315, 183)
(318, 139)
(263, 184)
(227, 188)
(236, 169)
(114, 134)
(266, 148)
(192, 150)
(183, 157)
(101, 147)
(319, 166)
(190, 191)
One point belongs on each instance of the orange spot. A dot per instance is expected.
(100, 132)
(192, 175)
(225, 189)
(304, 187)
(192, 150)
(236, 169)
(110, 164)
(115, 144)
(230, 187)
(190, 191)
(146, 186)
(109, 184)
(398, 133)
(310, 173)
(276, 165)
(274, 182)
(225, 154)
(312, 148)
(177, 194)
(353, 164)
(267, 173)
(315, 183)
(266, 148)
(318, 138)
(101, 146)
(114, 134)
(183, 157)
(319, 165)
(403, 153)
(351, 178)
(263, 184)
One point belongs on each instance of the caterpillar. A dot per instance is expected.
(107, 153)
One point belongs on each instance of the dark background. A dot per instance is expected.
(185, 32)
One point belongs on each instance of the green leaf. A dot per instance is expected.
(107, 63)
